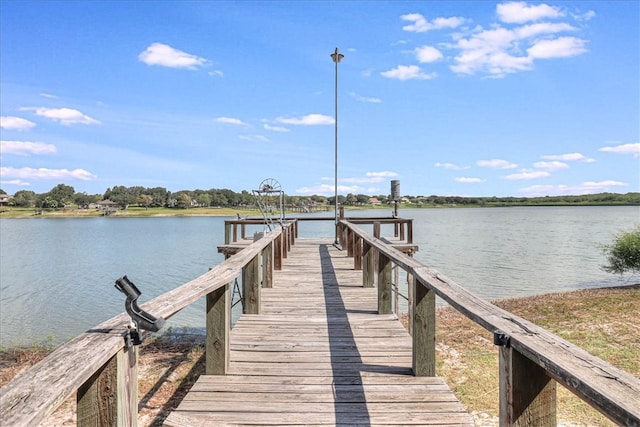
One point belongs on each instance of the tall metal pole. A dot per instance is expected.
(336, 57)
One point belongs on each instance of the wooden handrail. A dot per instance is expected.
(612, 391)
(37, 392)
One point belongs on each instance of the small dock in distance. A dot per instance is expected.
(319, 354)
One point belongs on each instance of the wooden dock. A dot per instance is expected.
(319, 354)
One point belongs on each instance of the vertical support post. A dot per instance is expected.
(227, 232)
(410, 231)
(401, 228)
(368, 268)
(527, 393)
(251, 286)
(277, 253)
(235, 231)
(424, 330)
(243, 231)
(349, 234)
(267, 266)
(376, 229)
(384, 284)
(218, 324)
(110, 396)
(357, 252)
(285, 242)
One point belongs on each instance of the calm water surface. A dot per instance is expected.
(57, 275)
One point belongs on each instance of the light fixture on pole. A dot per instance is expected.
(336, 57)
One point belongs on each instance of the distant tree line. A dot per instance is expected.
(65, 196)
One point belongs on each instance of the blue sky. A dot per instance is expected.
(451, 98)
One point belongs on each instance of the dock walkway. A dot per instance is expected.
(319, 354)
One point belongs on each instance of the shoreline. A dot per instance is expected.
(138, 212)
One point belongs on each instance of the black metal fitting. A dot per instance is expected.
(139, 318)
(500, 338)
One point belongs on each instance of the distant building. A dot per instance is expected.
(4, 199)
(374, 201)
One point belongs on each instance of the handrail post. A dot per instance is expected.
(277, 252)
(527, 393)
(423, 325)
(376, 229)
(251, 286)
(218, 323)
(357, 252)
(384, 284)
(110, 396)
(410, 231)
(227, 232)
(368, 265)
(350, 236)
(235, 232)
(267, 266)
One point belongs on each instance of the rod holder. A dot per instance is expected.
(140, 318)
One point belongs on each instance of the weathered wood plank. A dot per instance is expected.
(319, 353)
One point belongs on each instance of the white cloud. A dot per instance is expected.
(408, 72)
(15, 182)
(47, 95)
(469, 180)
(527, 174)
(308, 120)
(230, 121)
(551, 166)
(166, 56)
(383, 174)
(275, 128)
(15, 123)
(569, 157)
(371, 177)
(254, 138)
(633, 149)
(496, 164)
(421, 24)
(370, 99)
(520, 12)
(44, 173)
(562, 47)
(66, 116)
(25, 148)
(426, 54)
(588, 187)
(451, 166)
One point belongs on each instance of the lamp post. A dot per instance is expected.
(336, 57)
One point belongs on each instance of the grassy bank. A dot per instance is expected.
(603, 321)
(130, 212)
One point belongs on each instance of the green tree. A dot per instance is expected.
(623, 255)
(183, 200)
(24, 198)
(62, 194)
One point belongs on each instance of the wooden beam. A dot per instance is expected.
(527, 393)
(267, 266)
(423, 322)
(368, 265)
(384, 284)
(251, 286)
(218, 325)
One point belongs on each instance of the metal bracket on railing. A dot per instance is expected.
(140, 319)
(500, 338)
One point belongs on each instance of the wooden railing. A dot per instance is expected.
(531, 359)
(103, 370)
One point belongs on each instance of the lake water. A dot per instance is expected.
(57, 275)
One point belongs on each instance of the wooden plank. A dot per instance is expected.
(320, 353)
